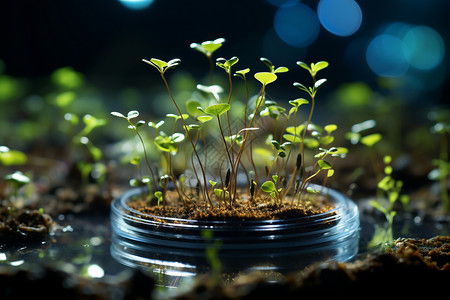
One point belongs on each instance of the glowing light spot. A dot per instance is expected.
(296, 24)
(340, 17)
(385, 56)
(136, 4)
(425, 47)
(95, 271)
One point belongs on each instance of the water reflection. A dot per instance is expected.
(175, 263)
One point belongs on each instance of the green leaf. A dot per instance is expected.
(12, 157)
(241, 73)
(301, 86)
(203, 119)
(118, 114)
(304, 66)
(265, 77)
(135, 160)
(378, 206)
(324, 165)
(18, 177)
(268, 63)
(292, 138)
(319, 66)
(217, 109)
(370, 140)
(326, 140)
(299, 101)
(132, 114)
(295, 130)
(281, 70)
(330, 173)
(330, 128)
(268, 186)
(368, 124)
(319, 83)
(312, 190)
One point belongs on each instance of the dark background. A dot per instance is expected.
(106, 41)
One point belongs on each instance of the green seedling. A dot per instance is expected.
(134, 126)
(9, 157)
(357, 136)
(442, 171)
(270, 187)
(162, 67)
(392, 189)
(208, 48)
(238, 143)
(16, 181)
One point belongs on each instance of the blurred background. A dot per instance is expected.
(386, 57)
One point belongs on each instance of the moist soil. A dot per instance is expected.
(242, 210)
(409, 268)
(23, 225)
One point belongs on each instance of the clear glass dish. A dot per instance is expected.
(176, 247)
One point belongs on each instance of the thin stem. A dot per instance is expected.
(146, 158)
(205, 194)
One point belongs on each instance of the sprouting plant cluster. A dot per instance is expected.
(286, 173)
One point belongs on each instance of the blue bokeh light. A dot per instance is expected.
(340, 17)
(426, 47)
(136, 4)
(385, 56)
(296, 24)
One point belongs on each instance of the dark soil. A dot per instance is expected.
(242, 210)
(411, 268)
(23, 225)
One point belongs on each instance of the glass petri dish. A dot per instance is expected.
(176, 247)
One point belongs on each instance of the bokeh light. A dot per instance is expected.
(402, 47)
(385, 56)
(340, 17)
(425, 47)
(296, 24)
(136, 4)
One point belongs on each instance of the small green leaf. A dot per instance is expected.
(324, 165)
(265, 77)
(370, 140)
(132, 114)
(292, 138)
(281, 70)
(135, 160)
(330, 173)
(319, 66)
(319, 83)
(118, 114)
(330, 128)
(301, 86)
(241, 73)
(299, 101)
(304, 66)
(268, 63)
(203, 119)
(312, 190)
(268, 186)
(217, 109)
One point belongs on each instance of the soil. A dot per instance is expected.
(23, 225)
(242, 210)
(411, 267)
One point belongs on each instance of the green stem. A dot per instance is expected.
(205, 194)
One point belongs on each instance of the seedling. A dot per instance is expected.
(442, 171)
(237, 145)
(208, 48)
(392, 188)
